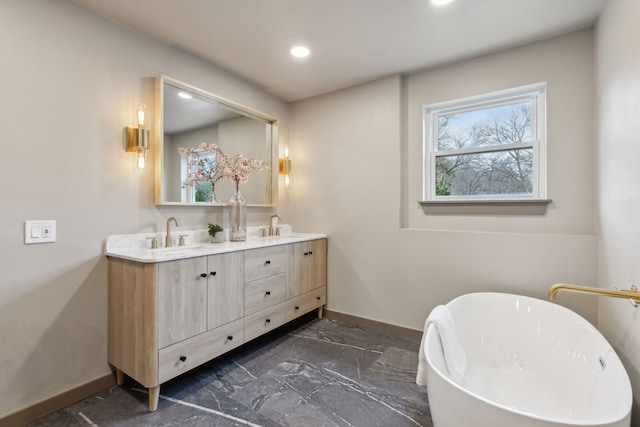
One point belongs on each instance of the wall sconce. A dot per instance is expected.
(284, 166)
(138, 139)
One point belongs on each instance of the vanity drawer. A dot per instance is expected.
(264, 321)
(304, 303)
(264, 293)
(265, 262)
(179, 358)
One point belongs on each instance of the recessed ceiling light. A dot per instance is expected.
(300, 51)
(441, 2)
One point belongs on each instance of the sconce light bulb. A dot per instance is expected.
(286, 180)
(141, 109)
(142, 163)
(286, 151)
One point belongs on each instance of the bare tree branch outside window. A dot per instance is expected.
(499, 169)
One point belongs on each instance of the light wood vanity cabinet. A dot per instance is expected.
(166, 318)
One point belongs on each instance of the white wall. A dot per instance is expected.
(71, 80)
(350, 146)
(618, 148)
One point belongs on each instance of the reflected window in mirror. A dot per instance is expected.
(201, 191)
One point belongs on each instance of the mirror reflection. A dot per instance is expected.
(191, 117)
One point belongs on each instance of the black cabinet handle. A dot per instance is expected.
(297, 307)
(268, 320)
(310, 253)
(318, 298)
(306, 254)
(267, 262)
(268, 293)
(203, 275)
(183, 358)
(230, 337)
(213, 273)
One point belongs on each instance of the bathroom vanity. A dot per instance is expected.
(172, 309)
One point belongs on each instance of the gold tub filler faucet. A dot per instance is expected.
(631, 294)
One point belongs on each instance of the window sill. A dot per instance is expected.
(486, 207)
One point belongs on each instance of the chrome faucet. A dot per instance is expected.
(271, 228)
(168, 239)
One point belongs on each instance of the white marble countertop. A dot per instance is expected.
(136, 247)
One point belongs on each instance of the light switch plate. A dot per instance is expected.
(41, 231)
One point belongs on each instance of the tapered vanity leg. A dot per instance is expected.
(119, 377)
(154, 396)
(320, 311)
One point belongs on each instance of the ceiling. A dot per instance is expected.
(351, 41)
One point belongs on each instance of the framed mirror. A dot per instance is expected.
(188, 117)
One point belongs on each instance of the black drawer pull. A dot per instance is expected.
(203, 275)
(318, 298)
(310, 253)
(306, 254)
(230, 337)
(268, 320)
(297, 307)
(267, 262)
(183, 358)
(213, 273)
(268, 293)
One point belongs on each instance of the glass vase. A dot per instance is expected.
(237, 216)
(213, 197)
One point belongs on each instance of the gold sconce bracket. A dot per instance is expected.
(284, 165)
(137, 139)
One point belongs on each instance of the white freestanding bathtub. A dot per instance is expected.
(529, 363)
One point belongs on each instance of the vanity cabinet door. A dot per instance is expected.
(182, 299)
(317, 264)
(307, 267)
(225, 288)
(297, 269)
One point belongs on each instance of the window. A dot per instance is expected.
(486, 148)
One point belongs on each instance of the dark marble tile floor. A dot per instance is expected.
(308, 373)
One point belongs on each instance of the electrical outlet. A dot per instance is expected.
(39, 231)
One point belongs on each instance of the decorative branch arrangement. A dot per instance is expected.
(203, 168)
(212, 168)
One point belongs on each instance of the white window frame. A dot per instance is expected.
(535, 93)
